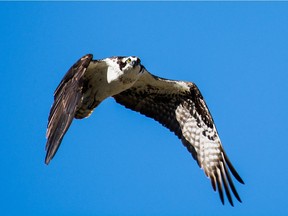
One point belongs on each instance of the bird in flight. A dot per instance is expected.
(177, 105)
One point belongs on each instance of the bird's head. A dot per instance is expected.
(129, 68)
(128, 63)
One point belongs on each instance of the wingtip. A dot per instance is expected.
(241, 180)
(47, 160)
(232, 169)
(49, 154)
(231, 202)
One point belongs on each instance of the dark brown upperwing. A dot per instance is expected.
(67, 98)
(160, 107)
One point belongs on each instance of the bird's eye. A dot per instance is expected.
(128, 60)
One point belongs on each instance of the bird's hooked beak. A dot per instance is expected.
(142, 69)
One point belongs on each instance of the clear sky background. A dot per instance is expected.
(118, 162)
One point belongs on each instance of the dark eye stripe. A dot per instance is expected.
(121, 63)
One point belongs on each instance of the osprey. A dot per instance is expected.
(177, 105)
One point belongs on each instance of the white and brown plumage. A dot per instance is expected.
(177, 105)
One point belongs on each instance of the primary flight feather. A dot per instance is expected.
(177, 105)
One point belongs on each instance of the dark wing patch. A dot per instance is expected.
(157, 106)
(184, 112)
(67, 98)
(200, 106)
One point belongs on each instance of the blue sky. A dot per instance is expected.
(118, 162)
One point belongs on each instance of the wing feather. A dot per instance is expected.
(67, 98)
(226, 186)
(180, 107)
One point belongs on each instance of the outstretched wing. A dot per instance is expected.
(180, 107)
(67, 98)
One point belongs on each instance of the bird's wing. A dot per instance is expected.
(67, 98)
(180, 107)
